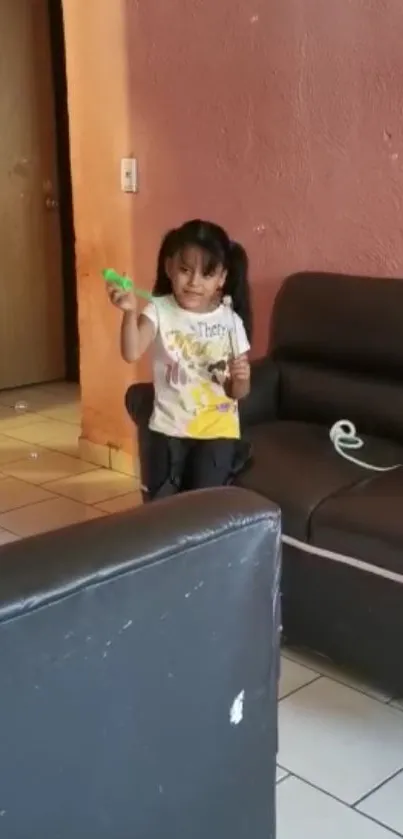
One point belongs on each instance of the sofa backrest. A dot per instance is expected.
(139, 663)
(339, 343)
(310, 393)
(345, 322)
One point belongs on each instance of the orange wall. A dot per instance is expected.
(280, 120)
(100, 134)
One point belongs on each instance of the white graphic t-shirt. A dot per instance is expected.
(190, 370)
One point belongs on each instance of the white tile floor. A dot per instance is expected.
(340, 760)
(340, 755)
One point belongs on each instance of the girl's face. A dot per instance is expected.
(195, 287)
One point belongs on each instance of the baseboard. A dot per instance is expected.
(94, 453)
(109, 457)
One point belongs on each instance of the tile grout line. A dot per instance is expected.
(51, 529)
(39, 417)
(43, 452)
(6, 530)
(54, 497)
(377, 788)
(340, 801)
(93, 468)
(90, 503)
(292, 692)
(284, 778)
(45, 446)
(335, 678)
(34, 417)
(58, 496)
(44, 500)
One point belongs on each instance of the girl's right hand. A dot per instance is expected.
(123, 300)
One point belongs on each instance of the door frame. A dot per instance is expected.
(69, 274)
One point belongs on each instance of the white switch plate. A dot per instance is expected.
(129, 174)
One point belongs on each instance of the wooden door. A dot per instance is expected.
(31, 288)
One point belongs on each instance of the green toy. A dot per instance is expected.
(111, 276)
(125, 283)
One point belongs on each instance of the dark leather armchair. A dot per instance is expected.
(139, 662)
(336, 353)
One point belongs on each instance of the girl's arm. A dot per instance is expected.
(137, 331)
(239, 384)
(136, 335)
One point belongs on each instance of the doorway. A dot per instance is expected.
(38, 306)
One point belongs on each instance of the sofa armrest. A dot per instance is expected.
(139, 400)
(127, 681)
(48, 567)
(261, 405)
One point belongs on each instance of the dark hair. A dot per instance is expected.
(219, 250)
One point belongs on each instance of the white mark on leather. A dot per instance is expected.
(236, 710)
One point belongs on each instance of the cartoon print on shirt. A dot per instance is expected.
(219, 371)
(196, 353)
(178, 371)
(213, 412)
(191, 355)
(176, 375)
(197, 369)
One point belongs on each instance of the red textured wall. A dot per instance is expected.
(281, 119)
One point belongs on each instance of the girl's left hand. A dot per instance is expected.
(239, 369)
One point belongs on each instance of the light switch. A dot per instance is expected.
(129, 174)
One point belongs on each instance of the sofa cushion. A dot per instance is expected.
(295, 466)
(365, 522)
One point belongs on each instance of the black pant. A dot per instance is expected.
(177, 464)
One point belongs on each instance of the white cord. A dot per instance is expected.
(343, 435)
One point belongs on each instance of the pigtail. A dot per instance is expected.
(162, 285)
(237, 285)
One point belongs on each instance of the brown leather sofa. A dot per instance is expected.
(336, 352)
(139, 665)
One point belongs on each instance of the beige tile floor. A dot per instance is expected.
(43, 482)
(340, 759)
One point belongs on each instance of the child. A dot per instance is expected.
(200, 367)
